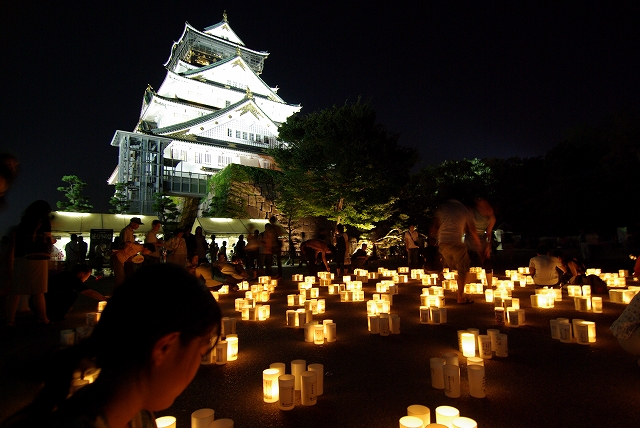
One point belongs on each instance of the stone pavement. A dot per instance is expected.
(370, 380)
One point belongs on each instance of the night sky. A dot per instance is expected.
(454, 79)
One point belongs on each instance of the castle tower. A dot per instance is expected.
(212, 109)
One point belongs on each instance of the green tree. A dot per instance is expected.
(120, 200)
(73, 192)
(167, 209)
(340, 164)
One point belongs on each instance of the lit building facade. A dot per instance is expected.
(212, 109)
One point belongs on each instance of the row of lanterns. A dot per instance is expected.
(570, 331)
(419, 416)
(279, 387)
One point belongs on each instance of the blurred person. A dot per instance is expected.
(341, 242)
(83, 249)
(239, 248)
(213, 249)
(360, 257)
(412, 245)
(485, 219)
(626, 329)
(313, 248)
(152, 238)
(127, 239)
(233, 271)
(148, 346)
(32, 244)
(451, 222)
(8, 174)
(223, 251)
(177, 247)
(64, 289)
(200, 244)
(275, 231)
(252, 249)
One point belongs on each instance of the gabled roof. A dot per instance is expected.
(231, 62)
(244, 106)
(223, 30)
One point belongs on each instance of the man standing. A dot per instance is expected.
(450, 224)
(122, 259)
(411, 243)
(83, 248)
(71, 252)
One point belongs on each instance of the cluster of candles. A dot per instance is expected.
(471, 343)
(432, 310)
(279, 387)
(615, 280)
(445, 375)
(202, 418)
(419, 416)
(384, 324)
(623, 296)
(545, 297)
(582, 299)
(318, 333)
(568, 331)
(69, 336)
(226, 348)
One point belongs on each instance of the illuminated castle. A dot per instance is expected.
(211, 110)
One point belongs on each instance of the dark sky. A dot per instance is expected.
(454, 79)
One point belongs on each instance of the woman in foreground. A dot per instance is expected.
(148, 344)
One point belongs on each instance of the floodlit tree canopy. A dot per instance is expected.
(340, 164)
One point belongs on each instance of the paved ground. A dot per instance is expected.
(370, 380)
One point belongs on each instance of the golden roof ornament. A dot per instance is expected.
(224, 17)
(238, 53)
(249, 95)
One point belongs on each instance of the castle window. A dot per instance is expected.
(197, 157)
(251, 137)
(229, 132)
(258, 138)
(244, 135)
(238, 134)
(207, 158)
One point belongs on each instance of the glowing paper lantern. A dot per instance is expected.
(596, 304)
(462, 422)
(484, 346)
(270, 388)
(488, 295)
(166, 422)
(232, 347)
(281, 367)
(221, 352)
(468, 344)
(446, 414)
(297, 367)
(411, 422)
(318, 337)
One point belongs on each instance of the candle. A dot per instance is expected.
(221, 352)
(308, 388)
(281, 367)
(451, 358)
(101, 305)
(270, 391)
(222, 423)
(286, 392)
(437, 374)
(374, 324)
(446, 414)
(232, 350)
(468, 344)
(319, 370)
(462, 422)
(309, 332)
(484, 346)
(202, 418)
(420, 411)
(330, 332)
(318, 337)
(411, 422)
(493, 333)
(166, 422)
(297, 367)
(451, 381)
(476, 377)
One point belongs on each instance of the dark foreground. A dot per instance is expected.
(370, 380)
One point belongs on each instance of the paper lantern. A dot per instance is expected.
(451, 380)
(468, 344)
(446, 414)
(564, 328)
(221, 352)
(499, 315)
(596, 305)
(67, 337)
(493, 333)
(308, 388)
(585, 332)
(270, 388)
(436, 366)
(475, 361)
(297, 367)
(475, 373)
(502, 348)
(286, 392)
(319, 370)
(330, 332)
(555, 331)
(424, 314)
(451, 358)
(374, 324)
(202, 418)
(281, 367)
(318, 336)
(411, 422)
(488, 295)
(394, 324)
(222, 423)
(462, 422)
(309, 332)
(232, 347)
(384, 325)
(166, 422)
(484, 346)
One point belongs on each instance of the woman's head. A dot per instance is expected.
(36, 211)
(156, 301)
